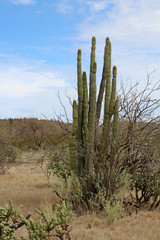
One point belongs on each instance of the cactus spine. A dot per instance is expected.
(89, 114)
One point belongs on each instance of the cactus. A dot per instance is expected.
(75, 118)
(89, 113)
(92, 119)
(92, 60)
(72, 139)
(85, 109)
(80, 112)
(103, 82)
(107, 98)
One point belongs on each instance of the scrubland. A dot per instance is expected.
(107, 171)
(26, 184)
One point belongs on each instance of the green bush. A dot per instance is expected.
(9, 217)
(8, 155)
(147, 184)
(74, 190)
(70, 190)
(13, 153)
(58, 163)
(113, 209)
(47, 226)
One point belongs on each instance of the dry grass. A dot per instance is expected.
(143, 226)
(26, 184)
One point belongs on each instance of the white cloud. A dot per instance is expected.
(97, 5)
(125, 19)
(134, 29)
(23, 2)
(19, 82)
(29, 89)
(64, 7)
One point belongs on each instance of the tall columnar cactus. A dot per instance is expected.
(92, 120)
(80, 113)
(80, 95)
(103, 81)
(85, 110)
(72, 139)
(92, 60)
(89, 113)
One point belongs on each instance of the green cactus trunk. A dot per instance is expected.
(80, 112)
(72, 139)
(85, 110)
(92, 120)
(113, 146)
(109, 101)
(113, 92)
(92, 60)
(75, 118)
(102, 85)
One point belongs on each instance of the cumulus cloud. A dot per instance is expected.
(23, 2)
(97, 5)
(64, 7)
(123, 19)
(30, 88)
(19, 82)
(134, 29)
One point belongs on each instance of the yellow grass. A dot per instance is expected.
(26, 184)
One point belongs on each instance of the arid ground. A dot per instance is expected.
(26, 184)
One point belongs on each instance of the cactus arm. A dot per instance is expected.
(115, 121)
(108, 80)
(75, 118)
(73, 153)
(72, 139)
(113, 146)
(80, 108)
(113, 92)
(80, 95)
(92, 60)
(102, 86)
(85, 109)
(91, 124)
(106, 122)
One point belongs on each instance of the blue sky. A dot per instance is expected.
(39, 41)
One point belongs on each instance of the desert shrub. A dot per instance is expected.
(70, 190)
(9, 217)
(113, 209)
(31, 133)
(13, 153)
(49, 225)
(147, 184)
(90, 216)
(8, 155)
(75, 190)
(58, 162)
